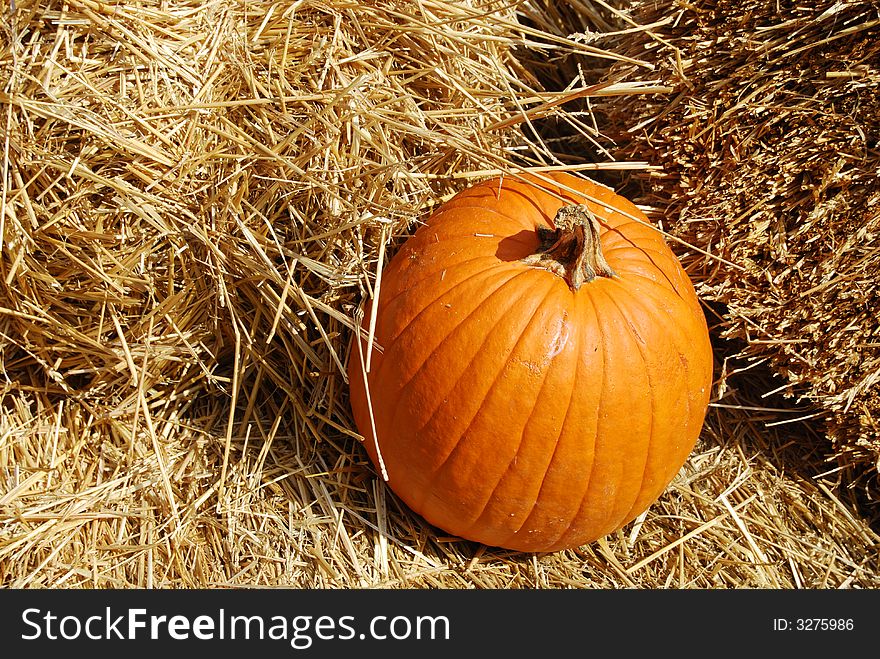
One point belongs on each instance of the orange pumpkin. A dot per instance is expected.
(541, 366)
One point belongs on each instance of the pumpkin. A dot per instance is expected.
(540, 366)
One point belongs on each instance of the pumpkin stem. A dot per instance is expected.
(572, 250)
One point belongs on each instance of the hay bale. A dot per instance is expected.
(196, 198)
(768, 146)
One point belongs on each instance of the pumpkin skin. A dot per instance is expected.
(510, 409)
